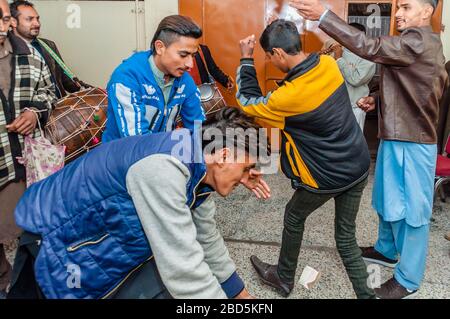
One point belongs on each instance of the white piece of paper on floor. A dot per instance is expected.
(309, 277)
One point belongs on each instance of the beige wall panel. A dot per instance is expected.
(107, 34)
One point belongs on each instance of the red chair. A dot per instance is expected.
(442, 171)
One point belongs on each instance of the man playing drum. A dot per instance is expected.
(150, 89)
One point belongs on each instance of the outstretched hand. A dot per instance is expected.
(257, 185)
(308, 9)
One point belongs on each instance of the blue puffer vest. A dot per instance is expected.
(87, 220)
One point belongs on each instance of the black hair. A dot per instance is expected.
(433, 3)
(234, 125)
(173, 27)
(14, 7)
(358, 26)
(281, 34)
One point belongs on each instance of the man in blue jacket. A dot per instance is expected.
(149, 90)
(142, 224)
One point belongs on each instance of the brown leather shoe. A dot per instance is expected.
(447, 236)
(269, 275)
(391, 289)
(370, 255)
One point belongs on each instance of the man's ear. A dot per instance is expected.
(428, 12)
(222, 155)
(160, 47)
(13, 22)
(279, 53)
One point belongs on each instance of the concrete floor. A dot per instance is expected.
(252, 226)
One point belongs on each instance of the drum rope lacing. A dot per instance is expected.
(84, 127)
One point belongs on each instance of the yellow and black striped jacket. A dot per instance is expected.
(323, 148)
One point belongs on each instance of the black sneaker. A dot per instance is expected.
(370, 255)
(391, 289)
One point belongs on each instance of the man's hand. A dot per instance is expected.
(272, 18)
(247, 47)
(366, 104)
(25, 124)
(244, 295)
(338, 51)
(257, 185)
(81, 84)
(230, 85)
(308, 9)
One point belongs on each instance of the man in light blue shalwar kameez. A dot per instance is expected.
(403, 197)
(413, 78)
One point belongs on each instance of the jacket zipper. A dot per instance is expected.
(195, 188)
(164, 120)
(87, 243)
(113, 290)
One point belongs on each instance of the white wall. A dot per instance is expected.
(109, 31)
(155, 11)
(446, 34)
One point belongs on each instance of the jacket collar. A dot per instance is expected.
(176, 81)
(309, 63)
(20, 47)
(6, 49)
(427, 29)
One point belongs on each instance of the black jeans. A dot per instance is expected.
(145, 283)
(302, 204)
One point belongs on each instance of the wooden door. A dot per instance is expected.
(224, 23)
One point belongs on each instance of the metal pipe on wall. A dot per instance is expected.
(136, 14)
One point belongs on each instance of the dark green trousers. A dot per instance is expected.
(302, 204)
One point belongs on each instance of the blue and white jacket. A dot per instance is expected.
(136, 104)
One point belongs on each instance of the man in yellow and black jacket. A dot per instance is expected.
(323, 150)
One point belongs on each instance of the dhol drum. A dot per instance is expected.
(211, 99)
(78, 121)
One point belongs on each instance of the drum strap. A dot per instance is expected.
(58, 60)
(202, 55)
